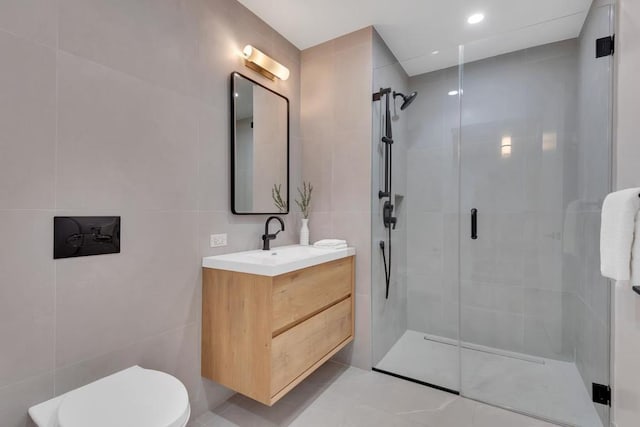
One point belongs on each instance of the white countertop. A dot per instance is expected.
(277, 261)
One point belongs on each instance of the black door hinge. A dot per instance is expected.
(605, 46)
(602, 394)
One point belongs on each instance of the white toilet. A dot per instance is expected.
(135, 397)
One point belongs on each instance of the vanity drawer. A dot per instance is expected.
(302, 293)
(294, 351)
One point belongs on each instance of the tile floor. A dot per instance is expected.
(551, 388)
(342, 396)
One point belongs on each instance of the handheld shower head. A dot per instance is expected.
(407, 99)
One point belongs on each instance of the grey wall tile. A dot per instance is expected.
(28, 122)
(243, 233)
(389, 315)
(27, 293)
(521, 198)
(355, 228)
(143, 133)
(492, 328)
(351, 166)
(123, 142)
(108, 302)
(213, 159)
(336, 158)
(17, 398)
(358, 353)
(156, 41)
(36, 20)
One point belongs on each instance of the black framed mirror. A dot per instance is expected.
(259, 148)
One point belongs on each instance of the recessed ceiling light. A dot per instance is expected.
(453, 93)
(435, 52)
(236, 94)
(475, 18)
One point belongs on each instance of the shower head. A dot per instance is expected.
(407, 99)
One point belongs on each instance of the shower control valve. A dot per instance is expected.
(387, 215)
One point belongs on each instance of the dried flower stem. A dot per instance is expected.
(305, 199)
(277, 198)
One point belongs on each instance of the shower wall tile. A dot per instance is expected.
(544, 311)
(530, 97)
(389, 317)
(424, 243)
(491, 296)
(492, 328)
(424, 311)
(28, 122)
(426, 175)
(35, 20)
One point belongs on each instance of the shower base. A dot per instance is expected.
(546, 388)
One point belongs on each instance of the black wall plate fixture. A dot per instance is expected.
(75, 236)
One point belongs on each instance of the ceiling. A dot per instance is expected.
(413, 29)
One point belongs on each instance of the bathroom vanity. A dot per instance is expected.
(271, 318)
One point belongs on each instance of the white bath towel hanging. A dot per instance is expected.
(618, 230)
(635, 253)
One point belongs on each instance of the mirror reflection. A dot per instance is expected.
(260, 147)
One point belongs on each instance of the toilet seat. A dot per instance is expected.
(135, 397)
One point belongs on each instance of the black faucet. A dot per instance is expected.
(266, 237)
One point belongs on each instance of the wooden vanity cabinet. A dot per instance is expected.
(262, 335)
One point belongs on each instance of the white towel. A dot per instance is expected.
(343, 246)
(617, 231)
(329, 243)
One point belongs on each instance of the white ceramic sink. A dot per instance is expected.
(275, 261)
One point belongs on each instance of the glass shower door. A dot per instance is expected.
(535, 138)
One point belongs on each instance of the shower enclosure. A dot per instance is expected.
(500, 167)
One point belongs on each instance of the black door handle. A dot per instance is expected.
(474, 223)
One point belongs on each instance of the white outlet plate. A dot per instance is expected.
(218, 240)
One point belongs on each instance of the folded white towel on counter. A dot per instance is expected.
(329, 243)
(620, 235)
(343, 246)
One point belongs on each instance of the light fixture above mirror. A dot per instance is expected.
(264, 64)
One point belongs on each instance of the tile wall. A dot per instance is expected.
(336, 158)
(118, 108)
(389, 316)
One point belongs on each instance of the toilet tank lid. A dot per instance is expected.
(132, 397)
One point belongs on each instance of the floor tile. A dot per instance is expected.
(341, 396)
